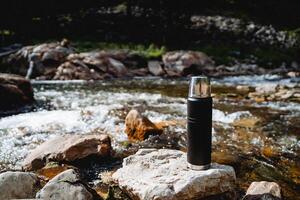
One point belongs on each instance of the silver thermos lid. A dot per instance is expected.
(199, 87)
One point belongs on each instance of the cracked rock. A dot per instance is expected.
(163, 174)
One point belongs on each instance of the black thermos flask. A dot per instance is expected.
(199, 123)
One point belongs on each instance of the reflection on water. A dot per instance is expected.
(261, 140)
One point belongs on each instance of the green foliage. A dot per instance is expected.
(148, 51)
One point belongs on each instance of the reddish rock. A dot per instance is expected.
(15, 91)
(139, 127)
(68, 148)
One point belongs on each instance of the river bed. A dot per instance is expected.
(259, 139)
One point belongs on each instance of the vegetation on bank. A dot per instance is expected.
(151, 27)
(222, 54)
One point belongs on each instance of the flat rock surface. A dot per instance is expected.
(68, 148)
(18, 185)
(163, 174)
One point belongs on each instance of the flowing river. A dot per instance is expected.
(259, 139)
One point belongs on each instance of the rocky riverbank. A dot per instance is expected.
(88, 129)
(61, 61)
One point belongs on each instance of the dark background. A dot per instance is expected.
(133, 20)
(162, 22)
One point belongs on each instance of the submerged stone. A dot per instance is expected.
(163, 174)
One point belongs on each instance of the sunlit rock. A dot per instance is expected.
(243, 88)
(15, 91)
(139, 127)
(293, 74)
(45, 57)
(266, 88)
(68, 148)
(185, 62)
(163, 174)
(75, 70)
(66, 185)
(263, 190)
(246, 122)
(273, 92)
(18, 185)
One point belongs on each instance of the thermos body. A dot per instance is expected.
(199, 123)
(199, 126)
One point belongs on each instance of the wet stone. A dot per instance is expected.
(163, 174)
(139, 127)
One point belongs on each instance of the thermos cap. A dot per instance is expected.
(199, 87)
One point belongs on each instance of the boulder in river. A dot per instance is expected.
(18, 185)
(164, 174)
(68, 148)
(139, 127)
(263, 190)
(75, 70)
(15, 92)
(66, 185)
(185, 62)
(45, 57)
(155, 68)
(93, 65)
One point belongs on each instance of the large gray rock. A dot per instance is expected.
(178, 63)
(68, 148)
(163, 174)
(15, 92)
(263, 190)
(93, 65)
(155, 68)
(45, 57)
(66, 185)
(18, 185)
